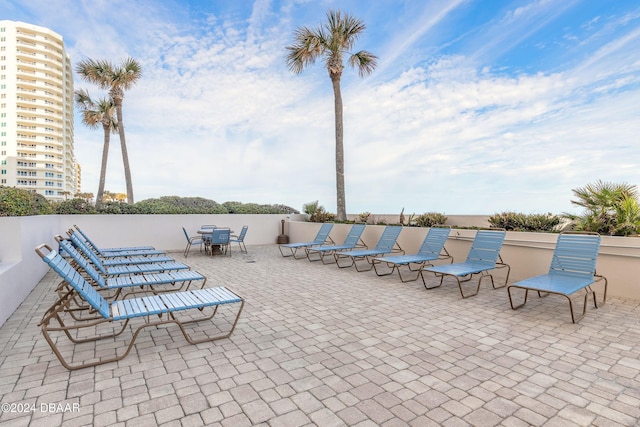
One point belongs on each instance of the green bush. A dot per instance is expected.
(514, 221)
(254, 208)
(428, 219)
(19, 202)
(74, 206)
(179, 205)
(317, 213)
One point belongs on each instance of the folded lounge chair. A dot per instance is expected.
(386, 244)
(118, 270)
(572, 270)
(432, 249)
(164, 306)
(156, 282)
(132, 250)
(120, 259)
(483, 257)
(321, 238)
(352, 241)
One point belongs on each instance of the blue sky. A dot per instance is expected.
(476, 106)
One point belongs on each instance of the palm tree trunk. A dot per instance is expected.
(340, 193)
(125, 155)
(103, 166)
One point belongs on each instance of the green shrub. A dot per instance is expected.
(19, 202)
(254, 208)
(514, 221)
(429, 219)
(74, 206)
(317, 213)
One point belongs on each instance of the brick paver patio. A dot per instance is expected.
(318, 345)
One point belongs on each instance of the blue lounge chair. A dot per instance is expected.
(239, 239)
(106, 252)
(175, 279)
(483, 257)
(152, 310)
(352, 241)
(573, 269)
(120, 259)
(321, 238)
(386, 245)
(119, 270)
(432, 249)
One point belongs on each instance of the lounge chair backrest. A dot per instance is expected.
(87, 240)
(434, 241)
(220, 236)
(82, 262)
(388, 238)
(486, 246)
(354, 235)
(77, 282)
(323, 233)
(576, 255)
(82, 247)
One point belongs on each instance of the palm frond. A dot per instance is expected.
(365, 62)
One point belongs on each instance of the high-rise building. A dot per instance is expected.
(36, 112)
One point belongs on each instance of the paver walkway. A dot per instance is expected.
(318, 345)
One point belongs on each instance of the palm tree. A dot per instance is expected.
(115, 79)
(95, 113)
(331, 42)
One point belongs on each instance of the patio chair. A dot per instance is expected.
(219, 241)
(572, 270)
(133, 283)
(386, 244)
(107, 252)
(119, 270)
(239, 239)
(483, 257)
(115, 316)
(321, 238)
(352, 241)
(193, 240)
(432, 249)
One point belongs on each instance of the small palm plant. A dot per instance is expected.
(609, 208)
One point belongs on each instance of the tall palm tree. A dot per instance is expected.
(115, 79)
(94, 114)
(331, 42)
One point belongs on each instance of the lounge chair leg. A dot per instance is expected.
(337, 258)
(515, 307)
(424, 282)
(404, 280)
(477, 288)
(378, 273)
(575, 319)
(363, 269)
